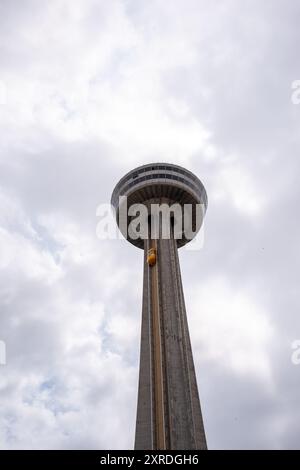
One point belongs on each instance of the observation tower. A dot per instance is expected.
(168, 409)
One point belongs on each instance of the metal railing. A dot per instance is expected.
(159, 172)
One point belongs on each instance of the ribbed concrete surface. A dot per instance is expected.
(182, 419)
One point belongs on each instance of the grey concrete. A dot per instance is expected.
(182, 413)
(168, 409)
(157, 182)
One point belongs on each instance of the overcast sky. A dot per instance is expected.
(89, 89)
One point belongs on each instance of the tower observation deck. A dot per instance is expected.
(168, 409)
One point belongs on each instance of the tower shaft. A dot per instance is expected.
(168, 412)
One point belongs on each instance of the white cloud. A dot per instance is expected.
(231, 330)
(235, 184)
(91, 89)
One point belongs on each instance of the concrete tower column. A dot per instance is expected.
(168, 412)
